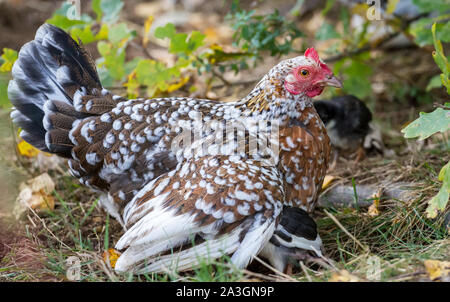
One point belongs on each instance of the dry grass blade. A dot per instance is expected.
(365, 248)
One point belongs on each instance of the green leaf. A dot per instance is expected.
(441, 60)
(435, 82)
(178, 43)
(357, 80)
(428, 123)
(422, 34)
(84, 34)
(328, 5)
(295, 11)
(113, 59)
(439, 202)
(63, 22)
(392, 4)
(167, 31)
(111, 10)
(96, 7)
(326, 32)
(196, 40)
(156, 76)
(118, 33)
(4, 100)
(9, 56)
(431, 6)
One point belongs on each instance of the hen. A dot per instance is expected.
(204, 198)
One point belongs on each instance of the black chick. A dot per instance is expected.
(348, 122)
(295, 239)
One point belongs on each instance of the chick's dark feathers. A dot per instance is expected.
(347, 120)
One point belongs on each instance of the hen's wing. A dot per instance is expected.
(204, 208)
(112, 143)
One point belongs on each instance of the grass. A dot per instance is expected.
(399, 239)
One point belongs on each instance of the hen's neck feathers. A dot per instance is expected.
(269, 100)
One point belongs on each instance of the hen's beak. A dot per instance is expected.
(331, 80)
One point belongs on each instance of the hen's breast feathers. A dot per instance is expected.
(305, 150)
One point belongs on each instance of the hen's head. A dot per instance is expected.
(309, 75)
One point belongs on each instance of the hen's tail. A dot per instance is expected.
(49, 78)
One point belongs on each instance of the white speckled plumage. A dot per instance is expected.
(222, 193)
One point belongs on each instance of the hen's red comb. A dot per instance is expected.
(312, 54)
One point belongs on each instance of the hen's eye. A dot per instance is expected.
(304, 72)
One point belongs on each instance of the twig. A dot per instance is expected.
(274, 269)
(378, 43)
(258, 275)
(48, 230)
(437, 105)
(216, 74)
(302, 265)
(362, 49)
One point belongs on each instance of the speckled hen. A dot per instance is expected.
(177, 203)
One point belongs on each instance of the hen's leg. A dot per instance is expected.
(288, 269)
(360, 154)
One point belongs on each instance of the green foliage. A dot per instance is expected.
(441, 60)
(420, 29)
(267, 33)
(9, 56)
(327, 32)
(429, 123)
(435, 82)
(110, 9)
(426, 6)
(114, 38)
(180, 43)
(357, 75)
(7, 60)
(437, 121)
(438, 202)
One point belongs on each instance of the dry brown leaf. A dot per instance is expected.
(25, 149)
(437, 269)
(35, 194)
(147, 26)
(327, 181)
(343, 276)
(111, 256)
(374, 207)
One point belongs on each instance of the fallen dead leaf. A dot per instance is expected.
(437, 269)
(111, 256)
(147, 26)
(327, 181)
(343, 276)
(35, 194)
(374, 207)
(25, 149)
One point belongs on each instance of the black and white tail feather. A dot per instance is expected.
(47, 75)
(50, 78)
